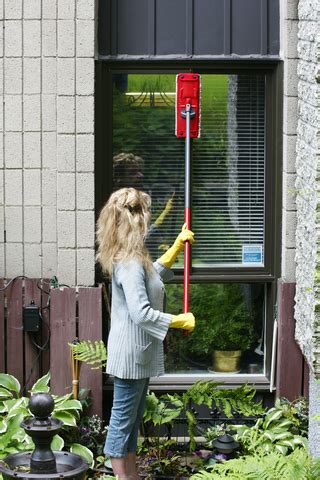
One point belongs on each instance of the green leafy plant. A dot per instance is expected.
(273, 432)
(14, 409)
(164, 409)
(298, 466)
(92, 353)
(224, 322)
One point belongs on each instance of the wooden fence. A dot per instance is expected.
(67, 313)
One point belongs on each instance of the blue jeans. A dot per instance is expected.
(127, 411)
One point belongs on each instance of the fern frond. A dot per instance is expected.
(92, 353)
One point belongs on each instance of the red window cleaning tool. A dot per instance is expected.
(188, 89)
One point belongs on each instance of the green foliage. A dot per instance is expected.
(164, 409)
(224, 322)
(298, 466)
(14, 409)
(92, 353)
(273, 432)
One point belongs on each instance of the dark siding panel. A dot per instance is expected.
(246, 27)
(132, 27)
(274, 27)
(170, 27)
(104, 30)
(208, 27)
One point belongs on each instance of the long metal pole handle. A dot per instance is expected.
(187, 214)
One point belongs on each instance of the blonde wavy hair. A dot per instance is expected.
(122, 227)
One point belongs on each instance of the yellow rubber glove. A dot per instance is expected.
(171, 254)
(186, 321)
(165, 212)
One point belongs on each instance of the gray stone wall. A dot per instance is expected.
(47, 139)
(306, 182)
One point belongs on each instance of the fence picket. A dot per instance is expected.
(15, 330)
(2, 329)
(63, 330)
(90, 328)
(31, 354)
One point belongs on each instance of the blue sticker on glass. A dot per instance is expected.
(252, 254)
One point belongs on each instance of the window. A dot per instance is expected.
(233, 210)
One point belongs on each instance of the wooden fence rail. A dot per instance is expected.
(67, 313)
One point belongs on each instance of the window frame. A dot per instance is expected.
(267, 274)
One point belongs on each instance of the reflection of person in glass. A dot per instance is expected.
(128, 172)
(138, 323)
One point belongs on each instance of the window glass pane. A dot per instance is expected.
(229, 332)
(228, 163)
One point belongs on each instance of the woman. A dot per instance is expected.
(138, 324)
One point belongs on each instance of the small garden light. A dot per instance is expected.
(225, 444)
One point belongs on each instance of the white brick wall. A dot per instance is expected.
(46, 139)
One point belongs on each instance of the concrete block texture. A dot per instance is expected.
(85, 267)
(66, 76)
(67, 266)
(13, 113)
(32, 260)
(85, 191)
(66, 9)
(85, 38)
(13, 38)
(1, 150)
(13, 224)
(85, 114)
(13, 75)
(291, 9)
(308, 114)
(307, 92)
(308, 51)
(49, 75)
(66, 38)
(1, 37)
(32, 187)
(289, 190)
(31, 38)
(49, 150)
(288, 265)
(1, 74)
(66, 153)
(13, 9)
(1, 188)
(66, 114)
(31, 113)
(2, 260)
(289, 153)
(85, 76)
(85, 152)
(49, 113)
(13, 187)
(290, 38)
(49, 224)
(307, 30)
(49, 38)
(49, 188)
(85, 229)
(32, 9)
(49, 9)
(49, 260)
(32, 224)
(32, 149)
(85, 9)
(290, 77)
(290, 107)
(314, 425)
(66, 191)
(14, 259)
(31, 75)
(289, 220)
(66, 224)
(13, 149)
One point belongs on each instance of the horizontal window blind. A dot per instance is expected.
(228, 163)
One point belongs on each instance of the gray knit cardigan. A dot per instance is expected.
(138, 324)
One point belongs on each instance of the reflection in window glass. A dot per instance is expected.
(228, 163)
(229, 333)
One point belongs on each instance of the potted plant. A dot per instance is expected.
(224, 327)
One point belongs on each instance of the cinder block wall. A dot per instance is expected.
(47, 139)
(289, 37)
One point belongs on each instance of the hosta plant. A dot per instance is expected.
(14, 409)
(274, 432)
